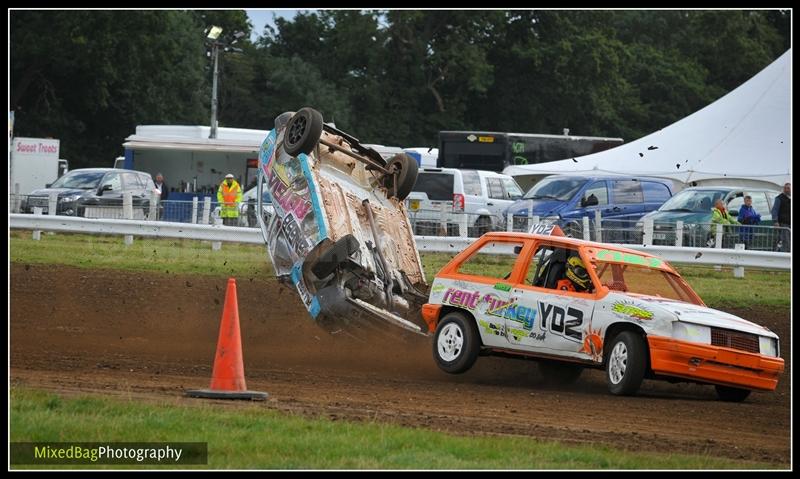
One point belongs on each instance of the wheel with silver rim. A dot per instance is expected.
(456, 343)
(626, 363)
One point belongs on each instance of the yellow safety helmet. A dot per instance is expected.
(576, 272)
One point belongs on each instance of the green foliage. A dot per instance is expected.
(392, 77)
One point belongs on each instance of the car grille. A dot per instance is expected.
(735, 340)
(38, 201)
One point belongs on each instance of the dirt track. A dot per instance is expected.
(153, 335)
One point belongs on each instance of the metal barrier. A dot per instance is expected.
(217, 234)
(442, 222)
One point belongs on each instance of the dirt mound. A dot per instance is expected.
(153, 335)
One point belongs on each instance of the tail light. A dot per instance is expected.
(458, 202)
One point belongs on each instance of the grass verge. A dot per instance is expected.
(718, 288)
(252, 437)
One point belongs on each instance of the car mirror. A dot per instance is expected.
(583, 202)
(106, 187)
(48, 185)
(517, 249)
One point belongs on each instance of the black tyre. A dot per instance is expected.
(404, 169)
(483, 225)
(559, 374)
(456, 343)
(626, 363)
(303, 131)
(729, 394)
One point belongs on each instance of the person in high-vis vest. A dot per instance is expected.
(229, 196)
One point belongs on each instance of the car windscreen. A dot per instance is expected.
(438, 186)
(562, 189)
(84, 180)
(693, 201)
(644, 280)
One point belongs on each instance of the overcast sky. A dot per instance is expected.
(261, 17)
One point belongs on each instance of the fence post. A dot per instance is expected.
(206, 210)
(52, 203)
(155, 204)
(17, 199)
(598, 228)
(194, 210)
(216, 245)
(587, 235)
(718, 239)
(535, 221)
(679, 233)
(648, 231)
(509, 222)
(127, 213)
(738, 272)
(37, 234)
(443, 219)
(463, 224)
(52, 207)
(530, 217)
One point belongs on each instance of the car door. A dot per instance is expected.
(482, 284)
(511, 193)
(544, 320)
(627, 201)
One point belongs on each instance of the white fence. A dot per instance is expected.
(444, 244)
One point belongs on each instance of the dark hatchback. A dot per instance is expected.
(94, 187)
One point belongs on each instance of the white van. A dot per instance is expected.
(441, 196)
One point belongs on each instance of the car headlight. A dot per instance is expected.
(768, 346)
(695, 333)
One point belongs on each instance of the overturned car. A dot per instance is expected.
(340, 233)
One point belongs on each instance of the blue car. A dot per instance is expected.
(566, 199)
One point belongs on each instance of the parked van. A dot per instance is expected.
(566, 199)
(441, 196)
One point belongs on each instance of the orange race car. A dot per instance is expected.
(573, 304)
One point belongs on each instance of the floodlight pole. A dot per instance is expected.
(215, 53)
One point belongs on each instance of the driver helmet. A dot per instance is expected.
(576, 272)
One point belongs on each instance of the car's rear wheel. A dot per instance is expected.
(303, 131)
(456, 343)
(483, 225)
(559, 374)
(403, 174)
(729, 394)
(626, 363)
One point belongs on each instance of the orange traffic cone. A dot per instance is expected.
(227, 377)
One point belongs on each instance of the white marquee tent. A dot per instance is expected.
(743, 138)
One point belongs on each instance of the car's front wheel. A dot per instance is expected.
(626, 363)
(729, 394)
(456, 343)
(303, 131)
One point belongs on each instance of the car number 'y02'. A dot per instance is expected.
(566, 323)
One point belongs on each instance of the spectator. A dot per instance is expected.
(161, 187)
(719, 215)
(747, 216)
(229, 196)
(782, 215)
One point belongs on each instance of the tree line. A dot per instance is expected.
(388, 77)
